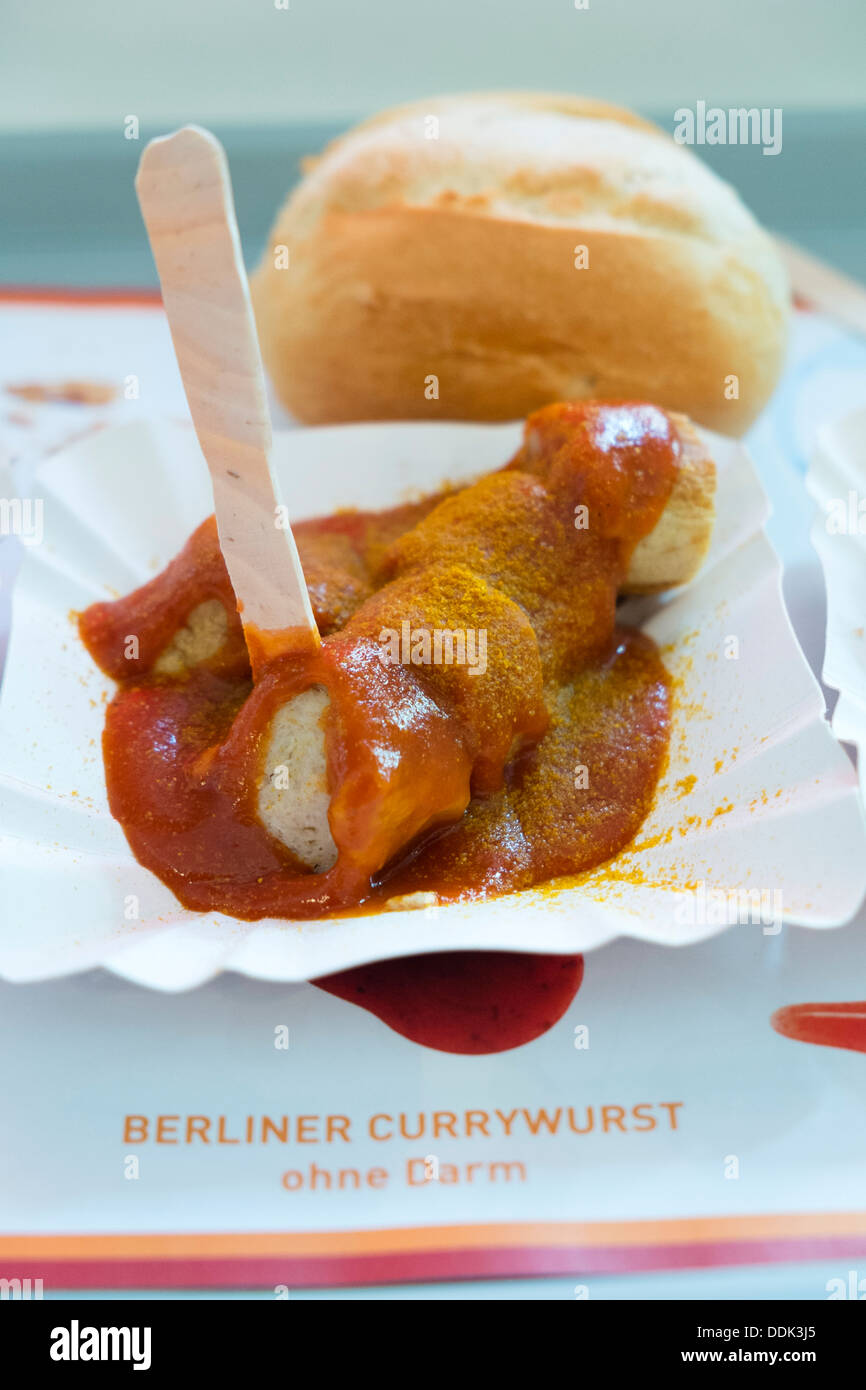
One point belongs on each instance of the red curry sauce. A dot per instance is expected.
(461, 785)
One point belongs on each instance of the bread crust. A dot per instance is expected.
(436, 279)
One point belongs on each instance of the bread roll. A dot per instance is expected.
(435, 278)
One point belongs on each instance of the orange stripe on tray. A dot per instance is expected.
(514, 1235)
(94, 298)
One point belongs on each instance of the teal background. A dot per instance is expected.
(69, 215)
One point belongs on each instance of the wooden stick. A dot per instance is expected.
(186, 200)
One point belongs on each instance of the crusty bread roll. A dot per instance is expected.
(435, 278)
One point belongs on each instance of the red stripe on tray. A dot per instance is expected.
(408, 1265)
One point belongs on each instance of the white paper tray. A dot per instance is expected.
(837, 482)
(774, 807)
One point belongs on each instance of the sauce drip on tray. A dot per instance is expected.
(830, 1025)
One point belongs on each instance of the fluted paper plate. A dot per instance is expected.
(759, 798)
(837, 481)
